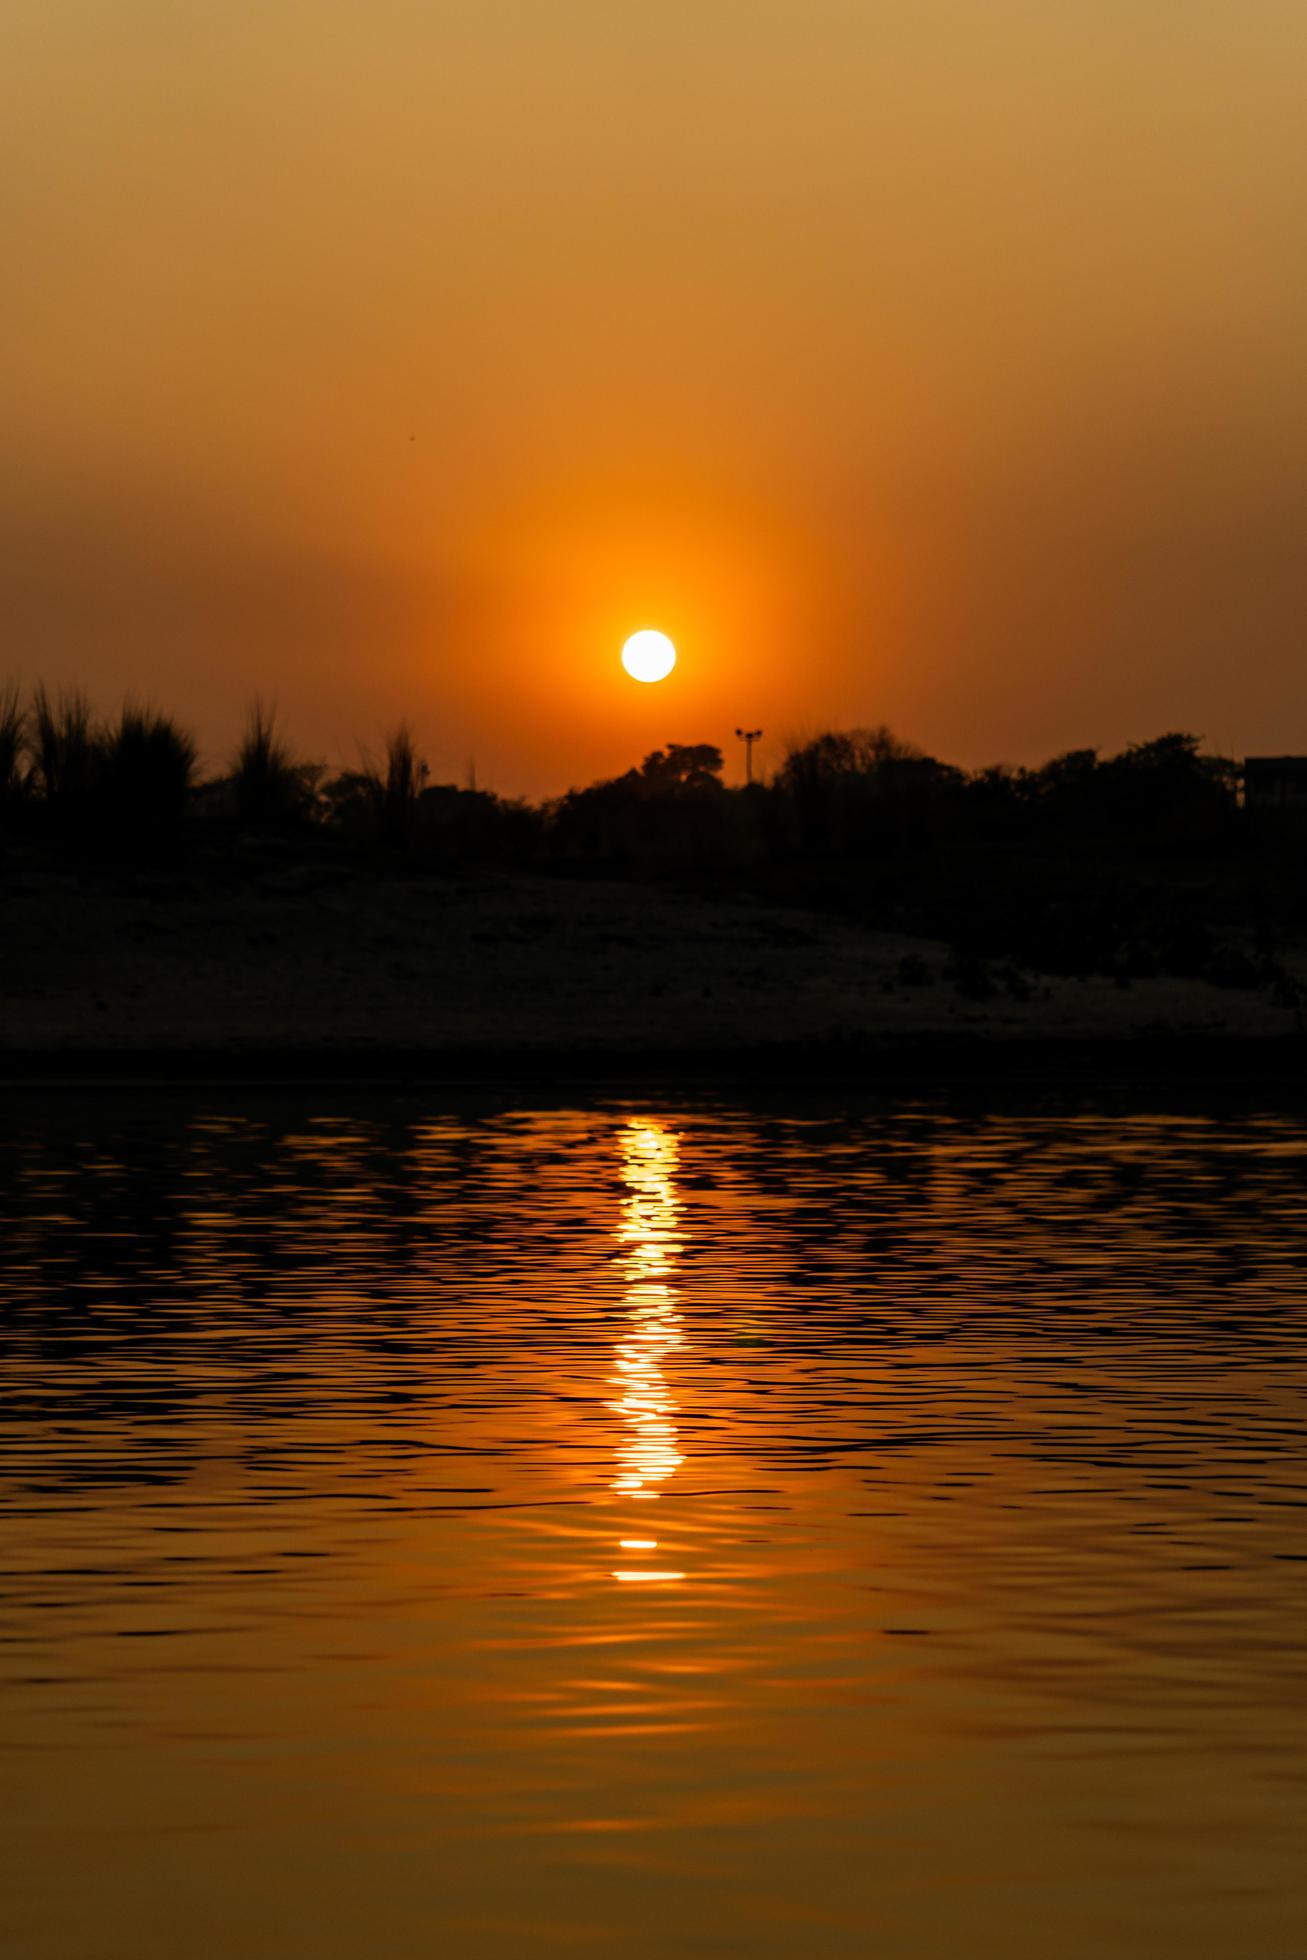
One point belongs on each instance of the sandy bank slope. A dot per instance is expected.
(299, 964)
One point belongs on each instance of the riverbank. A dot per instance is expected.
(304, 971)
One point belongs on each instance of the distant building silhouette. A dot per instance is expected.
(1275, 783)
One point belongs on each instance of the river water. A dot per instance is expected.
(650, 1528)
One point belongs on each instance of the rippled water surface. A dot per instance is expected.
(650, 1529)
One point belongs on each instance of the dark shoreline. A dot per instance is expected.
(555, 987)
(931, 1063)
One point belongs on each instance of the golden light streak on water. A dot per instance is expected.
(648, 1452)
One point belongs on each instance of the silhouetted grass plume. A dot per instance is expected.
(13, 736)
(66, 753)
(379, 806)
(396, 791)
(271, 789)
(147, 775)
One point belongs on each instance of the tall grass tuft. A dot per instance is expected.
(380, 805)
(272, 791)
(66, 752)
(398, 791)
(405, 772)
(147, 777)
(13, 732)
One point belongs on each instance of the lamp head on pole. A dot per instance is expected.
(748, 736)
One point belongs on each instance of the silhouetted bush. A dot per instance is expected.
(671, 815)
(349, 804)
(67, 755)
(394, 813)
(379, 807)
(13, 735)
(476, 826)
(862, 792)
(146, 773)
(395, 793)
(1164, 791)
(1065, 796)
(100, 790)
(971, 976)
(271, 791)
(1233, 966)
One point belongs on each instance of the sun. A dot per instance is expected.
(648, 655)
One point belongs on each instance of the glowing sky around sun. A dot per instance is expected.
(928, 362)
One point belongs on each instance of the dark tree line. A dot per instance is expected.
(846, 796)
(1140, 862)
(861, 795)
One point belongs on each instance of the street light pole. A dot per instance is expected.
(748, 736)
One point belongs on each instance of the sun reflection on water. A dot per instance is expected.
(647, 1452)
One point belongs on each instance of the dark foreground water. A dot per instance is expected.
(650, 1530)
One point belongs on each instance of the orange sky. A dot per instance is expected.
(929, 362)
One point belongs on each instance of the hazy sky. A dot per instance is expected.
(941, 362)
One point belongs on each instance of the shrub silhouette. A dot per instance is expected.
(13, 741)
(66, 752)
(395, 792)
(1166, 789)
(1161, 791)
(146, 774)
(99, 789)
(380, 805)
(863, 791)
(348, 803)
(271, 790)
(682, 767)
(673, 813)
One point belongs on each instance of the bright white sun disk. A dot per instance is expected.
(648, 655)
